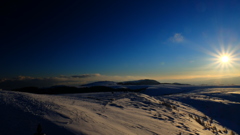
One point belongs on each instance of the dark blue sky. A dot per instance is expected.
(162, 39)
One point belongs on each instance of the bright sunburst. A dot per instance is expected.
(224, 59)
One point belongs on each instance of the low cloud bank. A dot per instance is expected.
(85, 75)
(74, 80)
(26, 81)
(77, 80)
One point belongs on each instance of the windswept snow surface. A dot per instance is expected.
(104, 113)
(221, 104)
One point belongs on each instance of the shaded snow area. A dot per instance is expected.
(118, 113)
(220, 104)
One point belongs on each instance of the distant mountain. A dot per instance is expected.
(140, 82)
(70, 89)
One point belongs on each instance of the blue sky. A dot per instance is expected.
(163, 40)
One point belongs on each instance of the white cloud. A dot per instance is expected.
(177, 38)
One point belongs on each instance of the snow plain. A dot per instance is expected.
(158, 110)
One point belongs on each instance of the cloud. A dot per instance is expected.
(23, 78)
(177, 38)
(85, 75)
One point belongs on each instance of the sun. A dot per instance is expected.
(224, 59)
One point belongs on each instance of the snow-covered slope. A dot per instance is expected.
(100, 114)
(157, 90)
(221, 104)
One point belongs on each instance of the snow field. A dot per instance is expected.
(103, 113)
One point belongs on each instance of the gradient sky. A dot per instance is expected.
(160, 39)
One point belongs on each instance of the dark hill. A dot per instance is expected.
(140, 82)
(70, 89)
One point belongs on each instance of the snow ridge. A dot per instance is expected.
(103, 113)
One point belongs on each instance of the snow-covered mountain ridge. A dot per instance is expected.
(104, 113)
